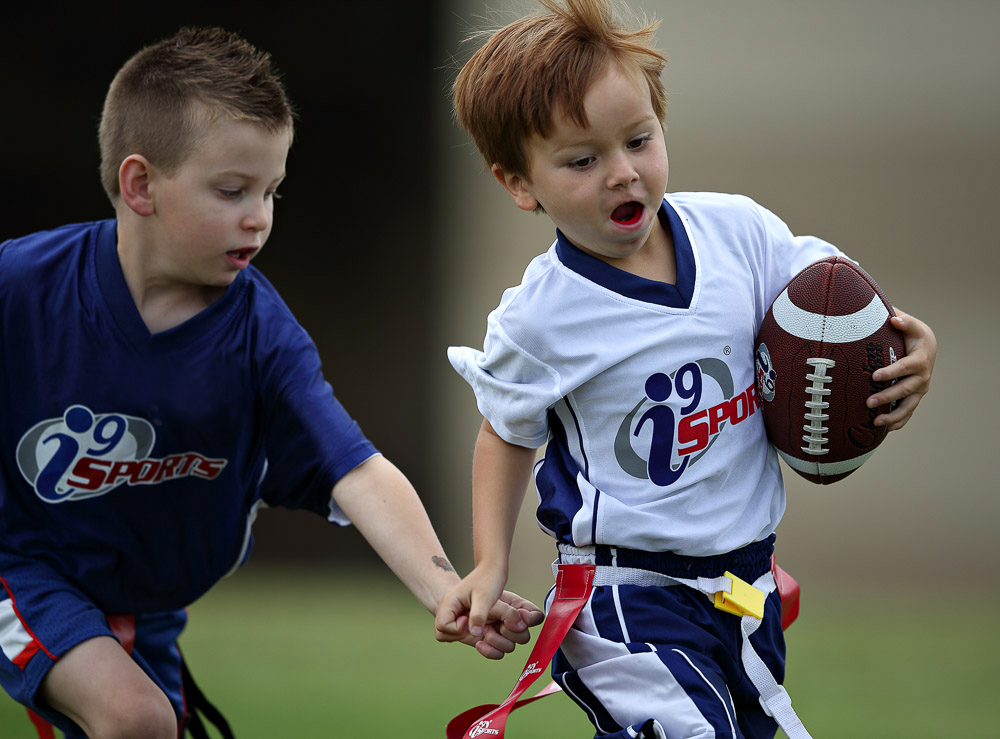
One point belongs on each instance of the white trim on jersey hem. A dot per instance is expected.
(337, 514)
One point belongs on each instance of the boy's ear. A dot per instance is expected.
(517, 186)
(133, 182)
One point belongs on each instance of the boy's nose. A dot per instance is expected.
(621, 172)
(259, 218)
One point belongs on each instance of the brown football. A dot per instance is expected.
(816, 350)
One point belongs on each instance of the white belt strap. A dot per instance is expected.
(773, 697)
(614, 575)
(605, 575)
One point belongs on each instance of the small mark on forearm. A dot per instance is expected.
(443, 564)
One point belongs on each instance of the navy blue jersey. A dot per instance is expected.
(133, 463)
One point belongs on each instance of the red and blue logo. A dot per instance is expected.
(85, 454)
(677, 422)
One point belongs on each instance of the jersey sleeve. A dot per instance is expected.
(785, 255)
(514, 388)
(311, 440)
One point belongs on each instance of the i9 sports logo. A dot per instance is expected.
(84, 454)
(483, 728)
(680, 419)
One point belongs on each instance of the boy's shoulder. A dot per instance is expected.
(541, 270)
(726, 218)
(67, 231)
(40, 250)
(719, 204)
(68, 234)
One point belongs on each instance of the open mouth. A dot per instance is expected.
(628, 214)
(240, 258)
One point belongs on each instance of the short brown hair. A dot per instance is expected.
(163, 96)
(512, 87)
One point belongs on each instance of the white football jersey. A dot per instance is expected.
(643, 390)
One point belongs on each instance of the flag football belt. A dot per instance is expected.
(574, 584)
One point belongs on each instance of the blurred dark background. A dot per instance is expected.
(350, 246)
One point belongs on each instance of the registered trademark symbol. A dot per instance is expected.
(727, 351)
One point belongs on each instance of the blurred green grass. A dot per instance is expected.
(307, 654)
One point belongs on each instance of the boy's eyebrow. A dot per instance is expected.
(244, 175)
(583, 139)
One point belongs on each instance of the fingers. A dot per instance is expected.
(534, 616)
(898, 417)
(449, 628)
(494, 644)
(485, 606)
(489, 651)
(906, 394)
(910, 375)
(906, 386)
(479, 616)
(495, 629)
(507, 627)
(498, 642)
(516, 615)
(531, 614)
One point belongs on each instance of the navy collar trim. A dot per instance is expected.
(632, 286)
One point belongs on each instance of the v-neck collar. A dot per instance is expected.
(678, 295)
(125, 313)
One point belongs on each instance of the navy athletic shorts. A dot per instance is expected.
(42, 616)
(641, 655)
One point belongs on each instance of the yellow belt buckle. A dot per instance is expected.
(744, 600)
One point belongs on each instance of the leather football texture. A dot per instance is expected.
(817, 347)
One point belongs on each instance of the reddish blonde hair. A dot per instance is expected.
(162, 99)
(526, 72)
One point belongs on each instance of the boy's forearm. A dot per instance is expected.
(500, 475)
(384, 507)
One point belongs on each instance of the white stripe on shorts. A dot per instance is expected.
(728, 706)
(13, 636)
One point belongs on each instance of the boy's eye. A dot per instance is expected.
(580, 162)
(639, 141)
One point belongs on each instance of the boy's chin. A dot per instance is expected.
(217, 287)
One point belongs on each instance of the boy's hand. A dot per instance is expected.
(912, 372)
(479, 613)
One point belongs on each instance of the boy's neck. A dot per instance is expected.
(162, 303)
(654, 261)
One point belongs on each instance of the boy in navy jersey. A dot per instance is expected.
(642, 313)
(155, 391)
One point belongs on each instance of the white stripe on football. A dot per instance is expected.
(834, 329)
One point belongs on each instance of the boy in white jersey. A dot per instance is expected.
(627, 348)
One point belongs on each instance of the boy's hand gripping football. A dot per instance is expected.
(912, 372)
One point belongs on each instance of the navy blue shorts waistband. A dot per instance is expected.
(747, 563)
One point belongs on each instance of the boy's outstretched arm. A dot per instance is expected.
(912, 372)
(384, 507)
(500, 475)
